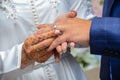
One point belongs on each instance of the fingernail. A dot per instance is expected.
(57, 60)
(57, 32)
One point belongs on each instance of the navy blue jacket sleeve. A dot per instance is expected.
(105, 36)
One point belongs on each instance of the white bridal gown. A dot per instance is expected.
(17, 23)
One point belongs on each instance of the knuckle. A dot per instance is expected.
(28, 50)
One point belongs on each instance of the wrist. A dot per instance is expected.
(88, 33)
(25, 60)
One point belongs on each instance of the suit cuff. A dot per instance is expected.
(104, 36)
(97, 36)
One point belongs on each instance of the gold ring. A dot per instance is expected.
(36, 48)
(55, 26)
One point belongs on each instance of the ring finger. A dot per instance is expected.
(59, 49)
(64, 47)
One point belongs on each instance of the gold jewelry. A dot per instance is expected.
(36, 48)
(55, 26)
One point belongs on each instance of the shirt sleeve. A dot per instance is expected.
(10, 60)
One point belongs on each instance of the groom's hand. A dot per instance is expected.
(62, 48)
(76, 30)
(34, 48)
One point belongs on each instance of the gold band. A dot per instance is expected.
(55, 26)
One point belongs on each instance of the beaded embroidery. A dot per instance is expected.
(9, 8)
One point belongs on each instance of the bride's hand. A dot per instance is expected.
(45, 28)
(34, 48)
(41, 40)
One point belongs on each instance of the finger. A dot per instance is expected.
(64, 47)
(62, 18)
(44, 58)
(42, 30)
(44, 26)
(40, 46)
(59, 40)
(40, 26)
(58, 32)
(56, 56)
(34, 39)
(72, 44)
(59, 49)
(71, 14)
(46, 35)
(30, 41)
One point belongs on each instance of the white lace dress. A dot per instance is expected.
(17, 22)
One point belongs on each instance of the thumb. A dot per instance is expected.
(56, 56)
(71, 14)
(63, 17)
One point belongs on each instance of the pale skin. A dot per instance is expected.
(74, 30)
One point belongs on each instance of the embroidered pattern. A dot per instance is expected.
(9, 8)
(89, 11)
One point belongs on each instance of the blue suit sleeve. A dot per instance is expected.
(105, 36)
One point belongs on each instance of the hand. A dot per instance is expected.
(25, 61)
(62, 48)
(30, 55)
(74, 30)
(47, 28)
(34, 48)
(60, 20)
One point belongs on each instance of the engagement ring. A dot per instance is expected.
(55, 26)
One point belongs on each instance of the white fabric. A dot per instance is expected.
(13, 32)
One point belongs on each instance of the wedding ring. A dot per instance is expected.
(55, 26)
(36, 48)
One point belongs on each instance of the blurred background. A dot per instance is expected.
(90, 63)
